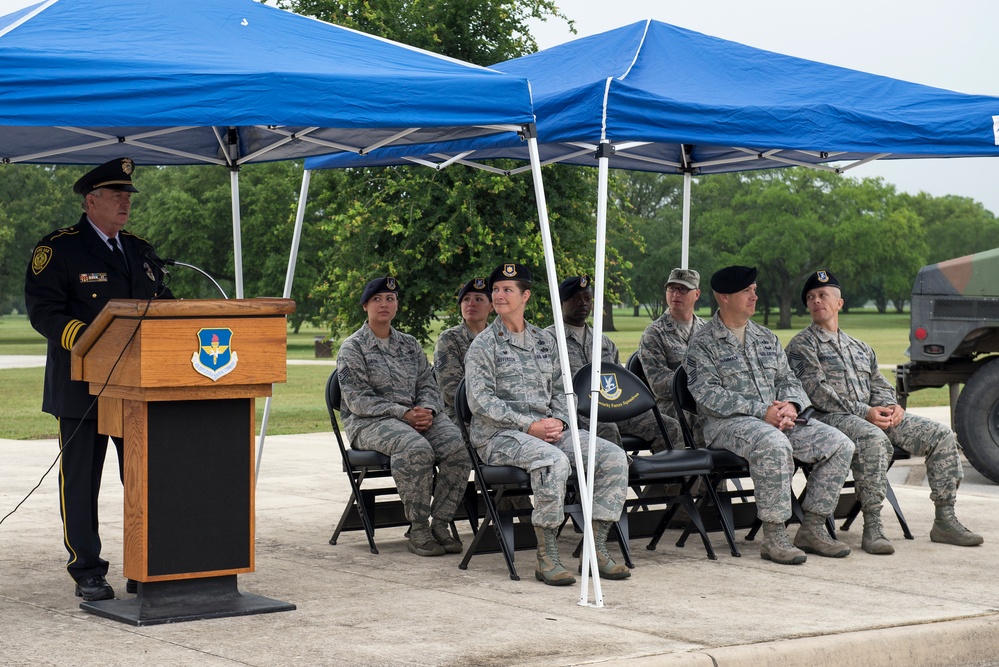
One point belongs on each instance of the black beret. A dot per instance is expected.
(474, 285)
(115, 175)
(378, 285)
(733, 279)
(510, 271)
(570, 286)
(821, 278)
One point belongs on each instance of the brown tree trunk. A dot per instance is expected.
(608, 317)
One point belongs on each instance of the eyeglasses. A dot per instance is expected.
(678, 290)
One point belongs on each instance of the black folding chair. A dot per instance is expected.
(634, 364)
(494, 483)
(360, 465)
(624, 396)
(726, 465)
(898, 454)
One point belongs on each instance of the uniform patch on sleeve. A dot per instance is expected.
(41, 258)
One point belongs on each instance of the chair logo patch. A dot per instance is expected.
(215, 356)
(609, 387)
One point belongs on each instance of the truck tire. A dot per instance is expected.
(976, 420)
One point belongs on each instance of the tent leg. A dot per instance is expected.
(296, 239)
(581, 470)
(685, 249)
(237, 239)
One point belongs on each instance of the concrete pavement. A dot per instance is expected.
(928, 604)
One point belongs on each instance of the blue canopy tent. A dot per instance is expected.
(654, 97)
(227, 82)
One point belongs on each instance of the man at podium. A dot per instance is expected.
(73, 273)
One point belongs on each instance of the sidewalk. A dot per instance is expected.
(928, 604)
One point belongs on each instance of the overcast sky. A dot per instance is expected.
(949, 44)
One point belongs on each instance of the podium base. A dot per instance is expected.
(185, 600)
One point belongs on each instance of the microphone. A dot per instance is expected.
(150, 255)
(161, 264)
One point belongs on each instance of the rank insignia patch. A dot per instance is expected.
(215, 356)
(40, 259)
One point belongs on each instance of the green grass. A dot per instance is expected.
(299, 407)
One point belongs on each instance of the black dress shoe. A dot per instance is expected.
(94, 588)
(131, 586)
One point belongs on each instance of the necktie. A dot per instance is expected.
(117, 252)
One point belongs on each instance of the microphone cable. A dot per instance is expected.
(87, 412)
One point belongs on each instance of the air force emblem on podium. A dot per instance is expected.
(215, 356)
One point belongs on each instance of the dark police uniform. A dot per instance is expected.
(72, 274)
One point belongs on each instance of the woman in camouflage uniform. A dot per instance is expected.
(520, 418)
(391, 404)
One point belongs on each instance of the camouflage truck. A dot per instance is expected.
(954, 340)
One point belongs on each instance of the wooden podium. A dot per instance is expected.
(177, 381)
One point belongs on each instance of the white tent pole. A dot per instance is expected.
(296, 239)
(237, 241)
(563, 355)
(685, 249)
(596, 351)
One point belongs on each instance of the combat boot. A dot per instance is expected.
(442, 535)
(948, 530)
(421, 540)
(777, 546)
(605, 564)
(812, 537)
(549, 569)
(874, 540)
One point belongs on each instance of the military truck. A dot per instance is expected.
(954, 340)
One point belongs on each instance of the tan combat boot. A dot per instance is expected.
(948, 530)
(421, 540)
(812, 537)
(549, 569)
(605, 564)
(874, 540)
(442, 536)
(777, 546)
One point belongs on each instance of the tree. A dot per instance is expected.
(778, 220)
(34, 200)
(435, 230)
(651, 206)
(186, 212)
(483, 32)
(955, 226)
(879, 245)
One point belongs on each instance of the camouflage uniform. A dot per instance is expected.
(449, 363)
(512, 386)
(661, 351)
(733, 387)
(378, 388)
(841, 376)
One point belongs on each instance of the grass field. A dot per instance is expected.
(299, 407)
